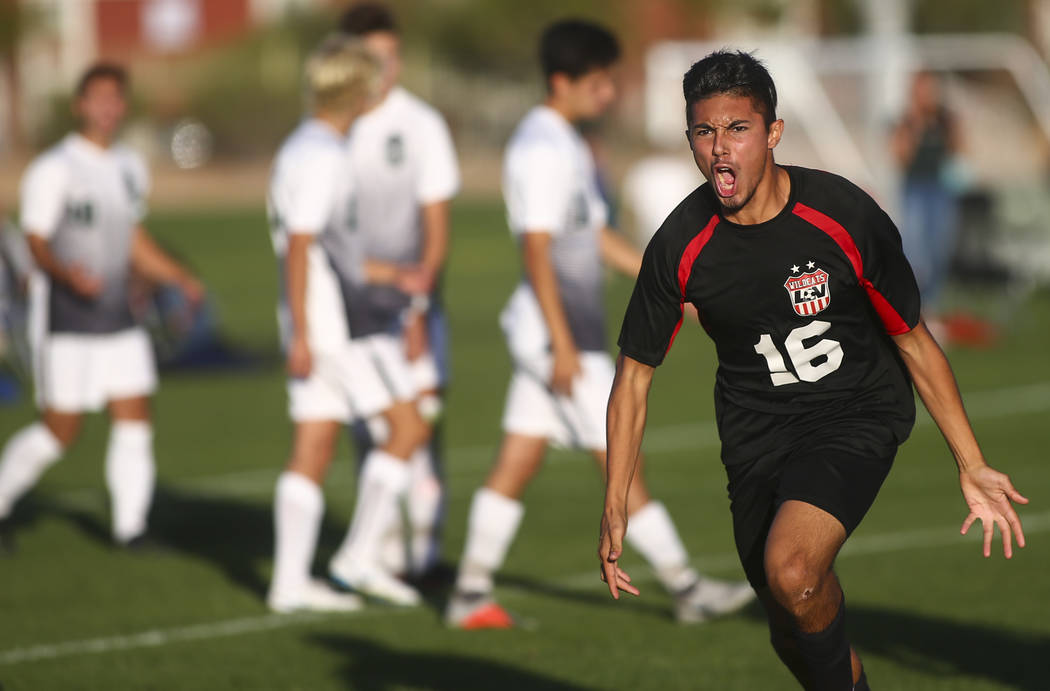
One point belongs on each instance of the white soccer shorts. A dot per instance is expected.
(360, 379)
(81, 372)
(576, 421)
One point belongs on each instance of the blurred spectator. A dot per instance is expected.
(15, 266)
(925, 143)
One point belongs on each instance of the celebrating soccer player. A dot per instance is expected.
(335, 348)
(83, 203)
(555, 329)
(407, 173)
(800, 280)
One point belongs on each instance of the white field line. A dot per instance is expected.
(982, 405)
(861, 546)
(161, 637)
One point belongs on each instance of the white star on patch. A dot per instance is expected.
(794, 269)
(810, 265)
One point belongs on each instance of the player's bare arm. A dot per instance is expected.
(628, 404)
(620, 254)
(988, 493)
(536, 253)
(300, 361)
(157, 265)
(435, 240)
(73, 275)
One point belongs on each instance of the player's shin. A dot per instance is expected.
(298, 507)
(827, 655)
(652, 532)
(493, 523)
(384, 480)
(25, 457)
(130, 477)
(425, 497)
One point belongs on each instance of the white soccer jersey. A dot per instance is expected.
(312, 191)
(406, 159)
(87, 202)
(550, 185)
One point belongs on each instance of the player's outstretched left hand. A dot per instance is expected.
(988, 493)
(610, 547)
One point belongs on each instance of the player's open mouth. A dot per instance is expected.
(725, 181)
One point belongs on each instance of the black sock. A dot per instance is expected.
(787, 650)
(826, 655)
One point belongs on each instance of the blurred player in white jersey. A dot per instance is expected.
(336, 351)
(555, 330)
(407, 175)
(83, 202)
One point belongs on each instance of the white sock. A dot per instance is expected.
(394, 546)
(425, 497)
(130, 476)
(493, 523)
(383, 482)
(651, 531)
(25, 457)
(298, 506)
(413, 547)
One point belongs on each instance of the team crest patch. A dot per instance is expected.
(809, 292)
(395, 150)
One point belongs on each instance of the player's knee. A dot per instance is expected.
(64, 428)
(793, 578)
(408, 430)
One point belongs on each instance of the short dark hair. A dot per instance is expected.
(731, 72)
(101, 70)
(575, 47)
(366, 18)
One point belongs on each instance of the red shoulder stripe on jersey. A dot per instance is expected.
(692, 251)
(837, 233)
(891, 319)
(685, 266)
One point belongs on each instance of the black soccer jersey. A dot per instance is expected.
(799, 307)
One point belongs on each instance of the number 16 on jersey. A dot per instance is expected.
(811, 363)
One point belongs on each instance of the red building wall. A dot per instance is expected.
(120, 31)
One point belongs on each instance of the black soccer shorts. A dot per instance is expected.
(838, 466)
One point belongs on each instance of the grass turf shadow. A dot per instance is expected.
(944, 647)
(598, 597)
(374, 667)
(234, 535)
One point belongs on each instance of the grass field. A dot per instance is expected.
(926, 611)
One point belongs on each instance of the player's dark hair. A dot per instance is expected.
(102, 70)
(575, 47)
(735, 73)
(366, 18)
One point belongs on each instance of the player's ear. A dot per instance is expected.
(556, 83)
(776, 130)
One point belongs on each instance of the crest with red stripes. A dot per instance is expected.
(809, 292)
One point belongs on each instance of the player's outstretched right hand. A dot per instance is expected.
(610, 547)
(300, 361)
